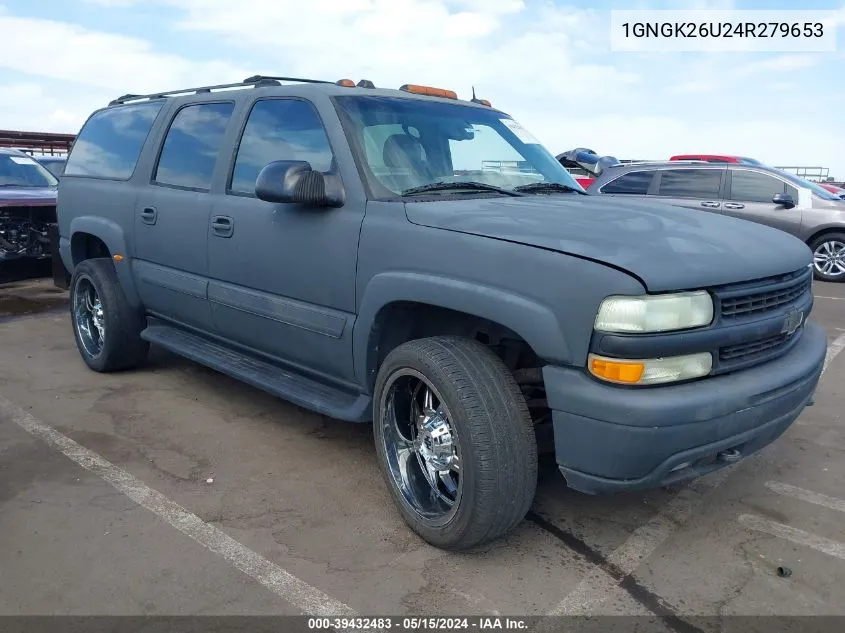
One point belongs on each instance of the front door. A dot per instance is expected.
(750, 198)
(171, 217)
(282, 276)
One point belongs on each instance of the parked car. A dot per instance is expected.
(718, 158)
(27, 206)
(355, 251)
(55, 164)
(757, 193)
(584, 164)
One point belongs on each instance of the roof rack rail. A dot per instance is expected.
(256, 81)
(261, 78)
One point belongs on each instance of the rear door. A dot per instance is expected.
(172, 215)
(691, 187)
(749, 197)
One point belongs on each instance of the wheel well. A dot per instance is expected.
(403, 321)
(823, 232)
(87, 246)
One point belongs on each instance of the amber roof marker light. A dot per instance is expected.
(429, 91)
(346, 83)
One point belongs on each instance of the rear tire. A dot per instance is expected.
(477, 443)
(829, 257)
(106, 328)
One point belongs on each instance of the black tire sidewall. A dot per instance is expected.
(474, 509)
(102, 276)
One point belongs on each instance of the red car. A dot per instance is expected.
(719, 158)
(837, 191)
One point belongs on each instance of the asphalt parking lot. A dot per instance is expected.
(176, 490)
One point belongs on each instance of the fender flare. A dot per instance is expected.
(533, 321)
(114, 237)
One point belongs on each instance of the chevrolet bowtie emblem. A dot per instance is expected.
(793, 320)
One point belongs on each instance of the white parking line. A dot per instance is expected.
(832, 350)
(597, 585)
(806, 495)
(833, 298)
(595, 588)
(309, 600)
(794, 535)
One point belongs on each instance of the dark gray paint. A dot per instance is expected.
(685, 249)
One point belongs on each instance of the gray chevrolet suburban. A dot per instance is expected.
(423, 262)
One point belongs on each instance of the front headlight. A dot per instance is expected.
(650, 371)
(655, 313)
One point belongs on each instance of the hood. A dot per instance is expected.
(23, 196)
(666, 247)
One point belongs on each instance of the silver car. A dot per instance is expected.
(757, 193)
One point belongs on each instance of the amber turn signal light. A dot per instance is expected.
(617, 371)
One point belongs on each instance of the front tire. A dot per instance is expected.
(454, 440)
(106, 328)
(829, 257)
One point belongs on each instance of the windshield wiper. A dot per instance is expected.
(547, 186)
(468, 184)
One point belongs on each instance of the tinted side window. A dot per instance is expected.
(635, 182)
(280, 129)
(110, 142)
(751, 186)
(691, 183)
(192, 145)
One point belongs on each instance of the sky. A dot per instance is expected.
(548, 63)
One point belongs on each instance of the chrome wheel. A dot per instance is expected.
(88, 317)
(829, 258)
(421, 446)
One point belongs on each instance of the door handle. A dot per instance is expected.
(222, 225)
(149, 215)
(710, 205)
(734, 205)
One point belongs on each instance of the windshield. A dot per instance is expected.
(54, 165)
(817, 189)
(17, 170)
(409, 143)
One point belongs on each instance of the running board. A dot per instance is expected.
(286, 384)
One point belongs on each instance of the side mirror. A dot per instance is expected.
(294, 182)
(783, 199)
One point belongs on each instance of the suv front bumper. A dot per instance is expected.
(610, 438)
